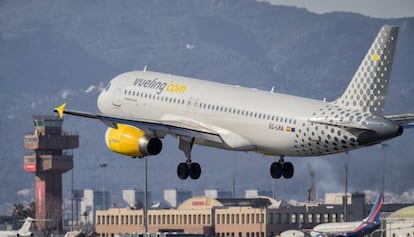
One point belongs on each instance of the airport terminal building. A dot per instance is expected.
(247, 217)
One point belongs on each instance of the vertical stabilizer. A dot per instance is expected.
(375, 211)
(25, 229)
(368, 88)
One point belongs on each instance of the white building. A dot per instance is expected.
(175, 197)
(214, 193)
(136, 198)
(93, 200)
(254, 193)
(400, 223)
(337, 198)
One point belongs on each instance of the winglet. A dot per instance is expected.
(60, 110)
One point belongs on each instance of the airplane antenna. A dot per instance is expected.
(324, 99)
(145, 68)
(272, 90)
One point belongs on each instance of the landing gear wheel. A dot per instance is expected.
(183, 171)
(195, 170)
(287, 170)
(276, 170)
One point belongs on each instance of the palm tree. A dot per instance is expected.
(18, 209)
(31, 209)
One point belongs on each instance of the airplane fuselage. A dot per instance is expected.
(248, 119)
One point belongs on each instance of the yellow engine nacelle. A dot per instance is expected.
(131, 141)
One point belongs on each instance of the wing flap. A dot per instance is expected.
(230, 138)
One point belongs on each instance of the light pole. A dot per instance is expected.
(103, 165)
(383, 146)
(71, 199)
(346, 190)
(146, 195)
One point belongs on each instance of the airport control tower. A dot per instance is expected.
(51, 157)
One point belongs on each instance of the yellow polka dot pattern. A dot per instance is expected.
(368, 88)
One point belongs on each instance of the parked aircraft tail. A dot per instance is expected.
(375, 211)
(25, 229)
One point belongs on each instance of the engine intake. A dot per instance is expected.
(131, 141)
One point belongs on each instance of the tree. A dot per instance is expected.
(18, 209)
(31, 209)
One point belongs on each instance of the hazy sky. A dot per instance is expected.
(373, 8)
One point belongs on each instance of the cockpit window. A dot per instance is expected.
(108, 86)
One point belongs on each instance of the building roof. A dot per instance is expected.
(200, 202)
(406, 212)
(203, 202)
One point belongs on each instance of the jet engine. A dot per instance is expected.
(131, 141)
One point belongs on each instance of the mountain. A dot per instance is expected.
(54, 51)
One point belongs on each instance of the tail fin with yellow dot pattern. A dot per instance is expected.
(368, 88)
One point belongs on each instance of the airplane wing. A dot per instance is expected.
(177, 127)
(406, 120)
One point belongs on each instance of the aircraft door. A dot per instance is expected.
(192, 105)
(196, 105)
(117, 98)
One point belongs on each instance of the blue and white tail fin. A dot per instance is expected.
(368, 88)
(375, 211)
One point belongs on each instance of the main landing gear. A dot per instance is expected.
(281, 168)
(188, 168)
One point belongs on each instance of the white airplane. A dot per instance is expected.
(354, 228)
(140, 107)
(23, 231)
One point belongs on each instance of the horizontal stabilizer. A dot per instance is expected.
(406, 120)
(337, 122)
